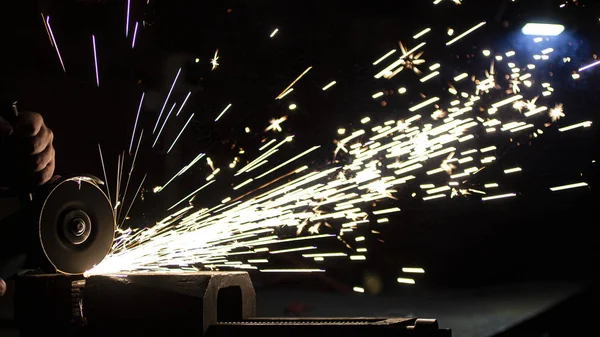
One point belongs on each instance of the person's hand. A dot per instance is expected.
(2, 287)
(28, 153)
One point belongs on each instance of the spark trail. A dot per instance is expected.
(435, 151)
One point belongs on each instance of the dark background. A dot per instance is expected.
(460, 242)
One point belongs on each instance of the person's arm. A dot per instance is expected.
(26, 156)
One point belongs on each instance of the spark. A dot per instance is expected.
(377, 162)
(413, 270)
(358, 289)
(275, 124)
(223, 112)
(274, 32)
(501, 196)
(47, 31)
(405, 280)
(105, 176)
(575, 126)
(469, 31)
(134, 35)
(289, 87)
(127, 18)
(331, 84)
(183, 104)
(379, 60)
(591, 65)
(387, 72)
(136, 121)
(95, 60)
(569, 186)
(421, 33)
(180, 132)
(166, 100)
(292, 271)
(557, 112)
(214, 61)
(55, 44)
(163, 125)
(386, 211)
(513, 170)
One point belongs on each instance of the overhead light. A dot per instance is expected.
(542, 29)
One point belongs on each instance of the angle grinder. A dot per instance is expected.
(65, 226)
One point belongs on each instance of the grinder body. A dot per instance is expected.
(66, 227)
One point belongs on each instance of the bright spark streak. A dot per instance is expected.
(292, 270)
(424, 104)
(566, 187)
(134, 35)
(491, 185)
(400, 60)
(386, 211)
(358, 289)
(47, 31)
(413, 270)
(428, 77)
(95, 60)
(127, 18)
(274, 32)
(299, 249)
(243, 184)
(222, 112)
(331, 84)
(55, 44)
(136, 121)
(513, 170)
(589, 66)
(190, 195)
(507, 101)
(293, 82)
(405, 280)
(183, 104)
(289, 161)
(437, 196)
(379, 60)
(105, 177)
(180, 132)
(267, 144)
(166, 100)
(421, 33)
(214, 61)
(460, 77)
(469, 31)
(134, 197)
(586, 124)
(501, 196)
(164, 123)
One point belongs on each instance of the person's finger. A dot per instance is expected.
(40, 141)
(42, 159)
(43, 176)
(6, 128)
(29, 124)
(2, 287)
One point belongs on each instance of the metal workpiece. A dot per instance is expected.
(210, 304)
(142, 303)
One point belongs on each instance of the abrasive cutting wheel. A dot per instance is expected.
(76, 224)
